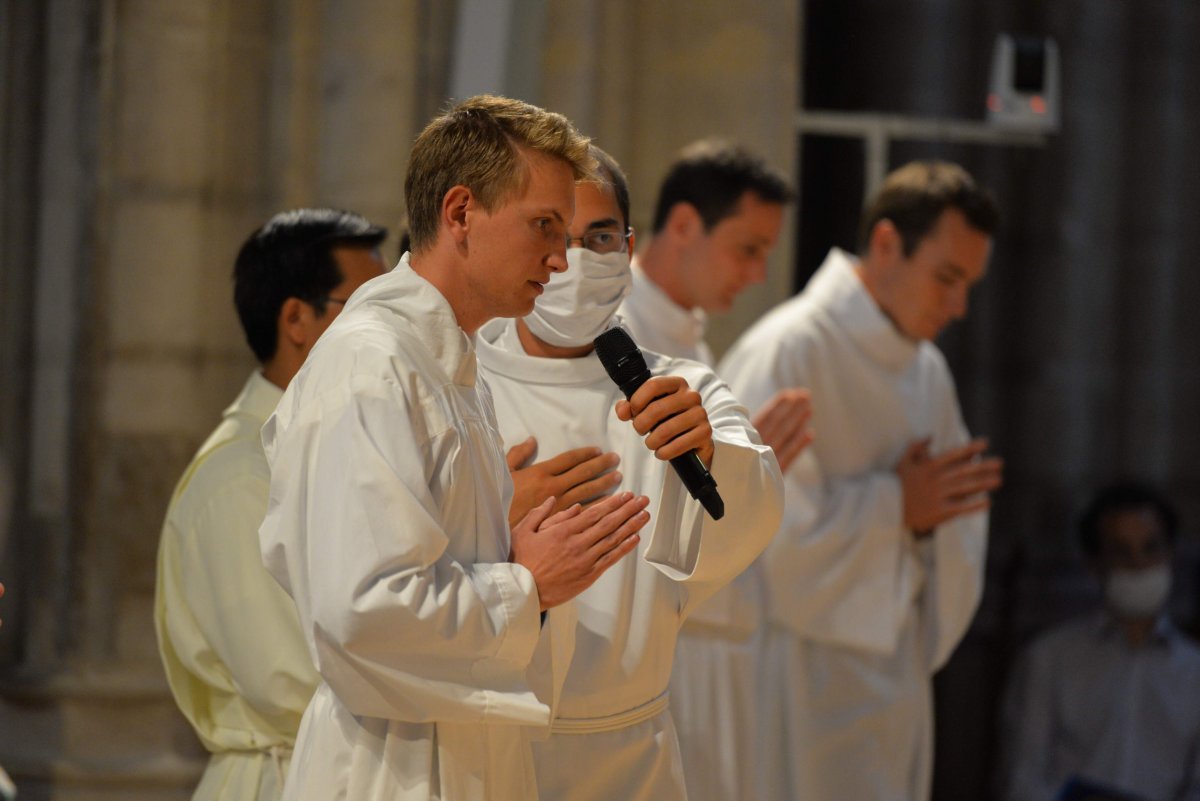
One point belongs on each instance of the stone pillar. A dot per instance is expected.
(200, 98)
(368, 114)
(645, 79)
(160, 132)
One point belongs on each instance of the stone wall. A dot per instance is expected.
(151, 136)
(645, 79)
(147, 138)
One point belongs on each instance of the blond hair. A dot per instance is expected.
(478, 144)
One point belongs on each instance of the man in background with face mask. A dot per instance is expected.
(614, 737)
(1111, 702)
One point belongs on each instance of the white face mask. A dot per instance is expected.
(1135, 594)
(578, 304)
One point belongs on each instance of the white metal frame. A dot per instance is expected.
(879, 130)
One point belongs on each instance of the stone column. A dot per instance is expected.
(369, 105)
(163, 132)
(645, 79)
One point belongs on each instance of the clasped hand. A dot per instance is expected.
(782, 424)
(946, 486)
(567, 551)
(576, 476)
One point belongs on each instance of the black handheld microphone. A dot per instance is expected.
(627, 368)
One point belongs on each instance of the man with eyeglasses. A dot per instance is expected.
(613, 737)
(230, 642)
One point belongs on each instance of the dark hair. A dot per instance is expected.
(914, 197)
(291, 256)
(611, 172)
(712, 176)
(1124, 496)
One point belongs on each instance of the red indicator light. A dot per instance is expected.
(993, 103)
(1038, 104)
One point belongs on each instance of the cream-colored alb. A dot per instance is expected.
(231, 645)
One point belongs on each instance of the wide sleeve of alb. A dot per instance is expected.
(956, 555)
(399, 627)
(686, 544)
(842, 568)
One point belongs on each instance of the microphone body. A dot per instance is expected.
(626, 366)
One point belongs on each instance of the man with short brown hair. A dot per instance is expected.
(388, 522)
(877, 569)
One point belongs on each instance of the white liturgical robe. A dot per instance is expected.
(387, 524)
(659, 324)
(714, 680)
(861, 613)
(614, 738)
(231, 645)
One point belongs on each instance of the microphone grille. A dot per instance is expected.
(619, 355)
(613, 344)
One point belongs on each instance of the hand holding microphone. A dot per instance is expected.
(667, 412)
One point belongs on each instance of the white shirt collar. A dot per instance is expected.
(500, 351)
(257, 400)
(402, 296)
(1104, 625)
(686, 326)
(837, 287)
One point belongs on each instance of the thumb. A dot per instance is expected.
(917, 450)
(623, 410)
(519, 454)
(538, 514)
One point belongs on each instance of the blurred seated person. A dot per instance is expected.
(1108, 706)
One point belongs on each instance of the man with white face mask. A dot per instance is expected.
(614, 737)
(1111, 703)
